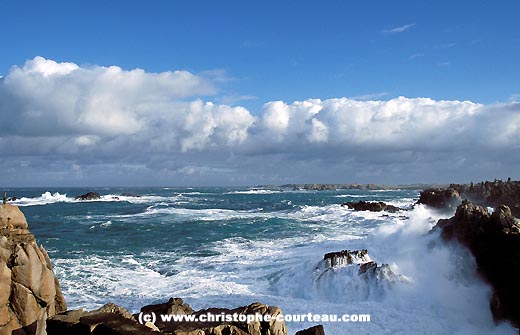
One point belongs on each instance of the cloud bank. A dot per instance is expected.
(64, 124)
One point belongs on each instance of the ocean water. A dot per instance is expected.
(227, 247)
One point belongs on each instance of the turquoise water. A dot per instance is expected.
(232, 246)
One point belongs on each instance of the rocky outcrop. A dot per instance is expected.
(366, 268)
(373, 206)
(346, 257)
(494, 240)
(316, 330)
(176, 306)
(89, 196)
(29, 290)
(440, 198)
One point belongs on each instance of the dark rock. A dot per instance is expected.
(12, 199)
(345, 257)
(316, 330)
(89, 196)
(440, 198)
(494, 240)
(373, 206)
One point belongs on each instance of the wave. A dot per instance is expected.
(51, 198)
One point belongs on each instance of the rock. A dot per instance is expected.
(316, 330)
(345, 257)
(29, 290)
(440, 198)
(178, 307)
(109, 319)
(494, 240)
(373, 206)
(89, 196)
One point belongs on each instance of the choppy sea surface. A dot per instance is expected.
(227, 247)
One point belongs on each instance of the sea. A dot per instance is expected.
(230, 247)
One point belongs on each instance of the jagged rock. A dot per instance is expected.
(440, 198)
(109, 319)
(89, 196)
(316, 330)
(29, 290)
(345, 257)
(373, 206)
(178, 307)
(494, 240)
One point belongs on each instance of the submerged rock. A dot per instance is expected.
(373, 206)
(29, 290)
(494, 240)
(89, 196)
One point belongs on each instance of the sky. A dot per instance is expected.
(171, 93)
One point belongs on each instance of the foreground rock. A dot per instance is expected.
(176, 306)
(29, 290)
(89, 196)
(373, 206)
(494, 240)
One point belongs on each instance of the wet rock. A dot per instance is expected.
(373, 206)
(89, 196)
(494, 240)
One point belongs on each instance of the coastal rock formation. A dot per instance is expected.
(176, 306)
(440, 198)
(373, 206)
(494, 240)
(89, 196)
(29, 290)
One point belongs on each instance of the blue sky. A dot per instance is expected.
(260, 91)
(285, 50)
